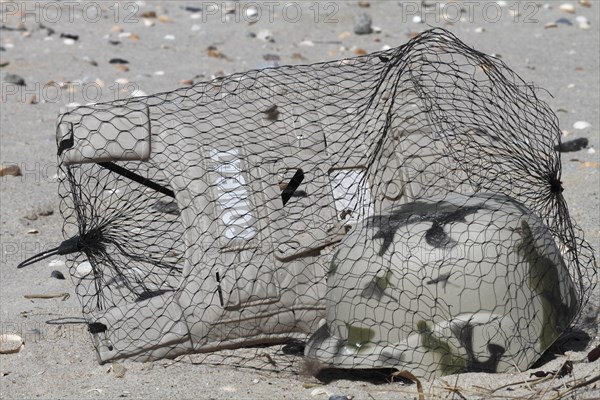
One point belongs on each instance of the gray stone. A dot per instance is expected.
(7, 77)
(362, 24)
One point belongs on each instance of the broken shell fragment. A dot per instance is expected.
(10, 343)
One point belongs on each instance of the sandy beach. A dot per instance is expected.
(56, 55)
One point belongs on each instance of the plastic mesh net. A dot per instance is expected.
(401, 210)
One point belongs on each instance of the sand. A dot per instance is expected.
(58, 360)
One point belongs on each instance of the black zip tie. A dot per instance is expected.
(137, 178)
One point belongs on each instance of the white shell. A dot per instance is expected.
(581, 125)
(568, 8)
(10, 343)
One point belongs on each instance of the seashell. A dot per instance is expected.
(11, 343)
(581, 125)
(568, 8)
(12, 170)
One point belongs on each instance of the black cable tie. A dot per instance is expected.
(137, 178)
(68, 246)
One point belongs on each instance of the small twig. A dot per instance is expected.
(537, 380)
(557, 375)
(269, 358)
(577, 386)
(453, 389)
(64, 296)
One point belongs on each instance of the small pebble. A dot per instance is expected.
(479, 29)
(33, 232)
(364, 4)
(57, 274)
(90, 61)
(83, 269)
(186, 82)
(362, 24)
(165, 19)
(591, 150)
(340, 397)
(550, 25)
(581, 125)
(169, 37)
(502, 3)
(265, 35)
(118, 61)
(122, 81)
(417, 19)
(307, 42)
(148, 22)
(7, 77)
(10, 343)
(584, 25)
(69, 42)
(148, 14)
(585, 3)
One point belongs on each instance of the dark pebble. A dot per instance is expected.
(563, 21)
(114, 42)
(49, 31)
(118, 61)
(193, 9)
(572, 145)
(338, 397)
(13, 79)
(594, 354)
(69, 36)
(57, 274)
(362, 24)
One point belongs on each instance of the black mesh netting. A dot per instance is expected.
(397, 210)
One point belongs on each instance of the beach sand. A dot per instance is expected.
(58, 360)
